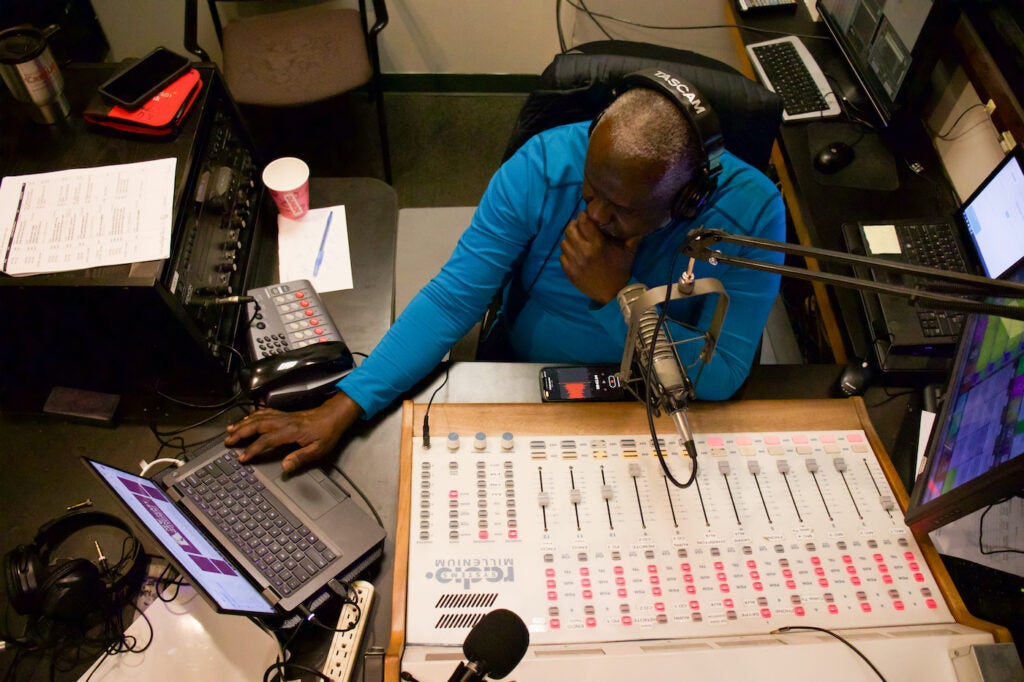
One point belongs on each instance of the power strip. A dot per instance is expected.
(341, 659)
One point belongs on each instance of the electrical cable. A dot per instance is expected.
(280, 666)
(314, 620)
(159, 460)
(165, 579)
(426, 414)
(593, 18)
(362, 495)
(277, 642)
(954, 124)
(797, 628)
(647, 373)
(61, 647)
(594, 15)
(981, 532)
(206, 420)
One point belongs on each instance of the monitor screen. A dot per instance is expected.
(891, 45)
(975, 456)
(994, 216)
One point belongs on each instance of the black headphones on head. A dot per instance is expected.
(73, 590)
(691, 198)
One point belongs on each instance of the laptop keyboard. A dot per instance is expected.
(280, 546)
(934, 245)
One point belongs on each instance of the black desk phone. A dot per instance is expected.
(298, 353)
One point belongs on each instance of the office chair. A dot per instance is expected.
(297, 57)
(578, 84)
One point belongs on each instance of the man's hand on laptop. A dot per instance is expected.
(314, 431)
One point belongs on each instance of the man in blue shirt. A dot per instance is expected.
(570, 219)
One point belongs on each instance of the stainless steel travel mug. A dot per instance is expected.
(30, 72)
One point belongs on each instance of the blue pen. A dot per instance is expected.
(323, 242)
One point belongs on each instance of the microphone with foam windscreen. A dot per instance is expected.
(666, 379)
(493, 648)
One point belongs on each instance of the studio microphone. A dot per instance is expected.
(665, 376)
(493, 647)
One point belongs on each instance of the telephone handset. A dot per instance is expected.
(298, 353)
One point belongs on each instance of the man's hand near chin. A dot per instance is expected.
(596, 263)
(315, 431)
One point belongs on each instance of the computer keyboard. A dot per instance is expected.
(786, 67)
(933, 245)
(756, 5)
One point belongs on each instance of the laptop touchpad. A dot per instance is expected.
(310, 490)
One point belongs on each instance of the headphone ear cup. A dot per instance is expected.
(23, 572)
(73, 591)
(691, 198)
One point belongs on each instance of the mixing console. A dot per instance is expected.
(586, 538)
(563, 515)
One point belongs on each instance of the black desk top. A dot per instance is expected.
(896, 173)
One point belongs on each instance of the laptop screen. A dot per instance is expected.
(994, 216)
(206, 568)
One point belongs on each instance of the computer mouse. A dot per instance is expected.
(833, 157)
(856, 378)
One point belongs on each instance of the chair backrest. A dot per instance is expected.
(380, 20)
(579, 84)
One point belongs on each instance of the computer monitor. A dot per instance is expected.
(891, 46)
(975, 456)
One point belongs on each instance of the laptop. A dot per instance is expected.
(247, 539)
(985, 237)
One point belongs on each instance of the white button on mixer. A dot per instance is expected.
(480, 441)
(453, 441)
(507, 443)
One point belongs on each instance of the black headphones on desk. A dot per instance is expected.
(691, 198)
(72, 590)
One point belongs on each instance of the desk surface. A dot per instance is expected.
(819, 205)
(37, 452)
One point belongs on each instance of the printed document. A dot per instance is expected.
(86, 217)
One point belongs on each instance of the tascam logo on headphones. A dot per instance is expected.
(683, 89)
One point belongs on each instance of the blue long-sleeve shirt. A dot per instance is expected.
(517, 228)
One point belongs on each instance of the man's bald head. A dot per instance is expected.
(642, 124)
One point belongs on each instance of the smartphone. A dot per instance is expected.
(134, 85)
(581, 382)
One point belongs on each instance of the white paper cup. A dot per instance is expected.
(287, 180)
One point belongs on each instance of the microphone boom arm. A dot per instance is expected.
(700, 240)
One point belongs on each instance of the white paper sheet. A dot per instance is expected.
(881, 239)
(86, 217)
(298, 243)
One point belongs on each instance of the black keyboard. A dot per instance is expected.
(785, 66)
(934, 245)
(280, 546)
